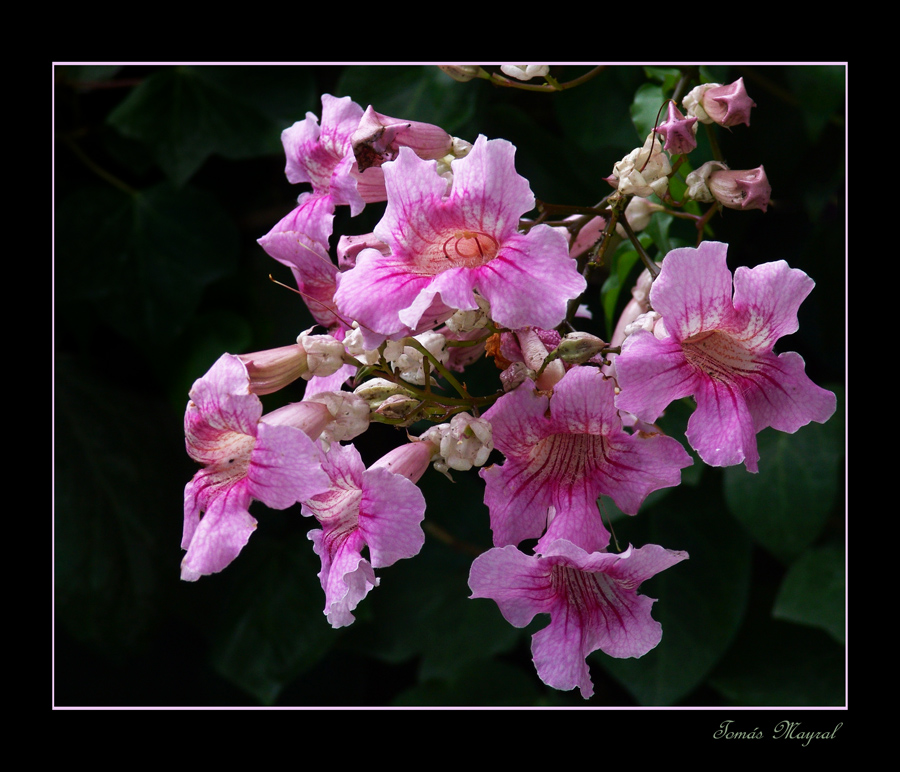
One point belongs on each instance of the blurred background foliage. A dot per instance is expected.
(165, 177)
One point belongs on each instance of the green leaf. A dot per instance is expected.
(273, 628)
(143, 259)
(185, 114)
(482, 684)
(620, 267)
(785, 506)
(701, 600)
(418, 93)
(422, 608)
(645, 110)
(814, 591)
(821, 90)
(777, 663)
(112, 481)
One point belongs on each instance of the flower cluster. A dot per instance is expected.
(453, 273)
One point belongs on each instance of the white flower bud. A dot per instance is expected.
(349, 411)
(324, 354)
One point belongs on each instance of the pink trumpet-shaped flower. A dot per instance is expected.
(380, 508)
(591, 598)
(246, 456)
(562, 453)
(718, 348)
(445, 247)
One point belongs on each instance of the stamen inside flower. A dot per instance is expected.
(470, 247)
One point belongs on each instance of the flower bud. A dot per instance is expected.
(311, 418)
(348, 415)
(468, 442)
(410, 460)
(398, 407)
(463, 72)
(644, 171)
(579, 347)
(679, 132)
(377, 390)
(525, 71)
(741, 189)
(378, 138)
(275, 368)
(725, 105)
(325, 354)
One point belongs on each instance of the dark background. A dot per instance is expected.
(165, 176)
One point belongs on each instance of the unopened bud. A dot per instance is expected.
(678, 132)
(464, 72)
(741, 189)
(275, 368)
(325, 354)
(644, 171)
(398, 407)
(349, 415)
(410, 460)
(725, 105)
(525, 71)
(377, 390)
(579, 347)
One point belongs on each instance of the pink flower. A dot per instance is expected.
(591, 598)
(445, 247)
(717, 347)
(562, 452)
(378, 508)
(322, 156)
(246, 456)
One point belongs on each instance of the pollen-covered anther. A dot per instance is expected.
(468, 246)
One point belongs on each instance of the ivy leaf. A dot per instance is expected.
(813, 592)
(185, 114)
(273, 628)
(785, 506)
(143, 258)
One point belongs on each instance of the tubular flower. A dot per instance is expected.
(376, 508)
(444, 247)
(591, 598)
(718, 347)
(246, 456)
(562, 453)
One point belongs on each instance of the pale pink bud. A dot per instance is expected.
(410, 460)
(714, 103)
(534, 352)
(741, 189)
(275, 368)
(679, 132)
(378, 139)
(310, 417)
